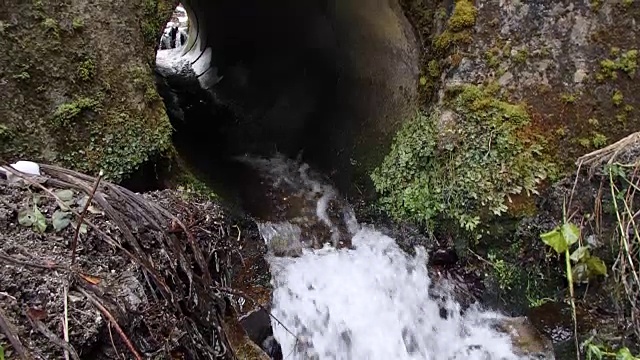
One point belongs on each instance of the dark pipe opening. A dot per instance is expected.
(330, 80)
(326, 81)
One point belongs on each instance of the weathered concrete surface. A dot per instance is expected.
(76, 85)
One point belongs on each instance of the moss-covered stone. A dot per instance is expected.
(68, 93)
(462, 162)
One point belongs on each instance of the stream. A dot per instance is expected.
(346, 291)
(341, 289)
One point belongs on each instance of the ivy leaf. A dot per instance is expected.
(65, 195)
(571, 233)
(26, 218)
(60, 220)
(40, 223)
(555, 239)
(581, 253)
(596, 266)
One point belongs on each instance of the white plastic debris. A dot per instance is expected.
(25, 167)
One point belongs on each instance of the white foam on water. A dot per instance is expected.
(367, 303)
(372, 302)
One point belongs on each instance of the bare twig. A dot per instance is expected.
(9, 331)
(8, 259)
(42, 328)
(115, 349)
(74, 243)
(113, 322)
(65, 320)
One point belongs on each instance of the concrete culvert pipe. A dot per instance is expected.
(329, 79)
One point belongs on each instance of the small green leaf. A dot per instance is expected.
(1, 353)
(60, 220)
(580, 273)
(423, 81)
(593, 350)
(596, 266)
(555, 239)
(581, 253)
(65, 195)
(40, 223)
(571, 233)
(26, 218)
(624, 354)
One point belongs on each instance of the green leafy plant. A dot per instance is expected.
(77, 23)
(32, 217)
(561, 240)
(464, 166)
(599, 352)
(65, 113)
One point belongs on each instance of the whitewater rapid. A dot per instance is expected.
(368, 302)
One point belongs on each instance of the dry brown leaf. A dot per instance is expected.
(90, 279)
(37, 314)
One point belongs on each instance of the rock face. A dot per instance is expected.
(76, 84)
(572, 62)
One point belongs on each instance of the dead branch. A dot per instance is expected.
(74, 243)
(609, 153)
(39, 265)
(113, 322)
(10, 332)
(42, 329)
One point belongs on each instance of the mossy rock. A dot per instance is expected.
(68, 95)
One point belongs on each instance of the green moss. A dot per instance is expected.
(142, 79)
(625, 61)
(492, 58)
(87, 69)
(441, 13)
(77, 23)
(155, 15)
(627, 3)
(464, 15)
(521, 56)
(4, 131)
(190, 185)
(599, 140)
(593, 122)
(66, 113)
(617, 98)
(628, 108)
(462, 19)
(434, 69)
(595, 4)
(119, 144)
(51, 26)
(461, 171)
(584, 142)
(568, 98)
(22, 76)
(448, 38)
